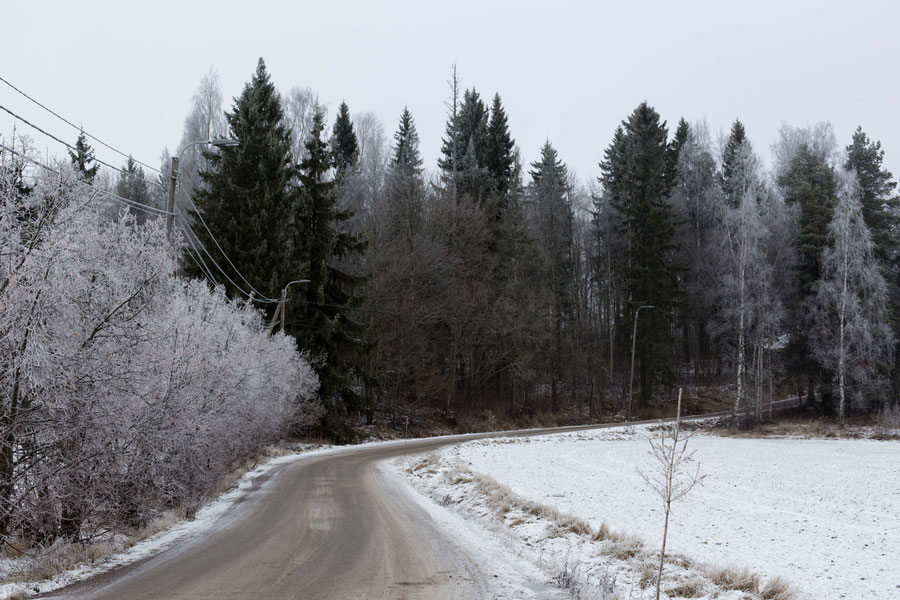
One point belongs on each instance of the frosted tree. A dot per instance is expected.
(204, 121)
(853, 338)
(749, 310)
(300, 107)
(696, 201)
(123, 390)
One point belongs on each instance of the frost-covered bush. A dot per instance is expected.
(124, 390)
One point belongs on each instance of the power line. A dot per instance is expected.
(137, 205)
(115, 197)
(63, 119)
(198, 260)
(73, 149)
(263, 300)
(244, 279)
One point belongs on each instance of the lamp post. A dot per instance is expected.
(633, 344)
(173, 177)
(282, 306)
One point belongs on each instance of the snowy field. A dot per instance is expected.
(822, 514)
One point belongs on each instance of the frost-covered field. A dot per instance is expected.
(822, 514)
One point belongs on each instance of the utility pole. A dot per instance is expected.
(281, 311)
(173, 178)
(633, 344)
(170, 206)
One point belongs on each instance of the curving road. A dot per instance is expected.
(322, 527)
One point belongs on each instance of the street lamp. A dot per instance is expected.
(633, 340)
(173, 178)
(282, 306)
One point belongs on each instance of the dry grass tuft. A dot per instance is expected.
(625, 548)
(733, 578)
(777, 589)
(648, 574)
(605, 533)
(18, 595)
(689, 588)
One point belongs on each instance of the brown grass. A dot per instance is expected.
(820, 428)
(777, 589)
(648, 574)
(694, 587)
(733, 578)
(18, 595)
(625, 548)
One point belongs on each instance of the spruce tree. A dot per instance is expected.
(638, 178)
(247, 197)
(83, 159)
(404, 178)
(467, 132)
(326, 326)
(405, 156)
(132, 185)
(809, 183)
(499, 150)
(345, 147)
(731, 179)
(876, 188)
(682, 133)
(553, 217)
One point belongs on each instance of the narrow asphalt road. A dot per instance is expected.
(321, 527)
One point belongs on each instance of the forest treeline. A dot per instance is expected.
(490, 284)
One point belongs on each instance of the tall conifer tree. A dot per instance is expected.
(499, 151)
(326, 326)
(133, 186)
(810, 184)
(732, 180)
(83, 159)
(345, 146)
(247, 196)
(638, 178)
(553, 217)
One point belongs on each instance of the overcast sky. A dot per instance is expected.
(566, 71)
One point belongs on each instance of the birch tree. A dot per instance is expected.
(853, 338)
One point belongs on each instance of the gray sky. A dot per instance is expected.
(566, 71)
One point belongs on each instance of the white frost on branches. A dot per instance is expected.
(853, 339)
(124, 390)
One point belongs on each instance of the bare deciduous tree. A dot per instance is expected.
(672, 478)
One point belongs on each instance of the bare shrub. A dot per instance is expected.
(672, 480)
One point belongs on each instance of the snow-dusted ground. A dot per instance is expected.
(823, 514)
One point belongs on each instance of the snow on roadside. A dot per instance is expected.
(821, 514)
(180, 532)
(507, 575)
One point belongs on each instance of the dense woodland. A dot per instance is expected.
(320, 253)
(488, 284)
